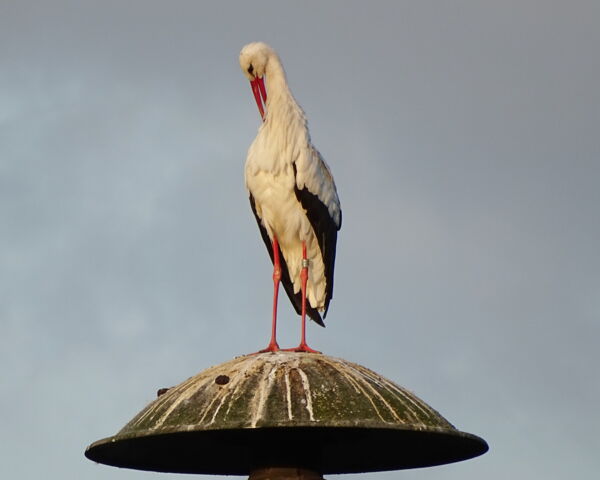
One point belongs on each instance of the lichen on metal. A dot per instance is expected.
(283, 389)
(316, 404)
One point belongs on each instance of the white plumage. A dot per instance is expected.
(291, 188)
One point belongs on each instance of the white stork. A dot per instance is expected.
(292, 194)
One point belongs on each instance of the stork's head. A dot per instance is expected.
(254, 58)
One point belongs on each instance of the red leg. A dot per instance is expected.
(303, 347)
(273, 347)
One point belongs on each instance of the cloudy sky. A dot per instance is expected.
(464, 140)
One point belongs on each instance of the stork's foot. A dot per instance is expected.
(272, 347)
(303, 347)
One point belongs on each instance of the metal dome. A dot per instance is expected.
(286, 410)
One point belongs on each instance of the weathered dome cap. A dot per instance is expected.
(286, 409)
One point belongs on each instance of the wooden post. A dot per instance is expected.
(284, 473)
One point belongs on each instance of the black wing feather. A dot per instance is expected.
(326, 232)
(295, 298)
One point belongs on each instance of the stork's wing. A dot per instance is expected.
(311, 172)
(315, 190)
(295, 298)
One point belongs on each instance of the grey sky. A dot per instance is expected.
(463, 137)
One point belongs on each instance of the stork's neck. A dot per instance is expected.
(281, 104)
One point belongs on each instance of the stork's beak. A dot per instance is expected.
(260, 94)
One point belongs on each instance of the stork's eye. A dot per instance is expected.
(250, 69)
